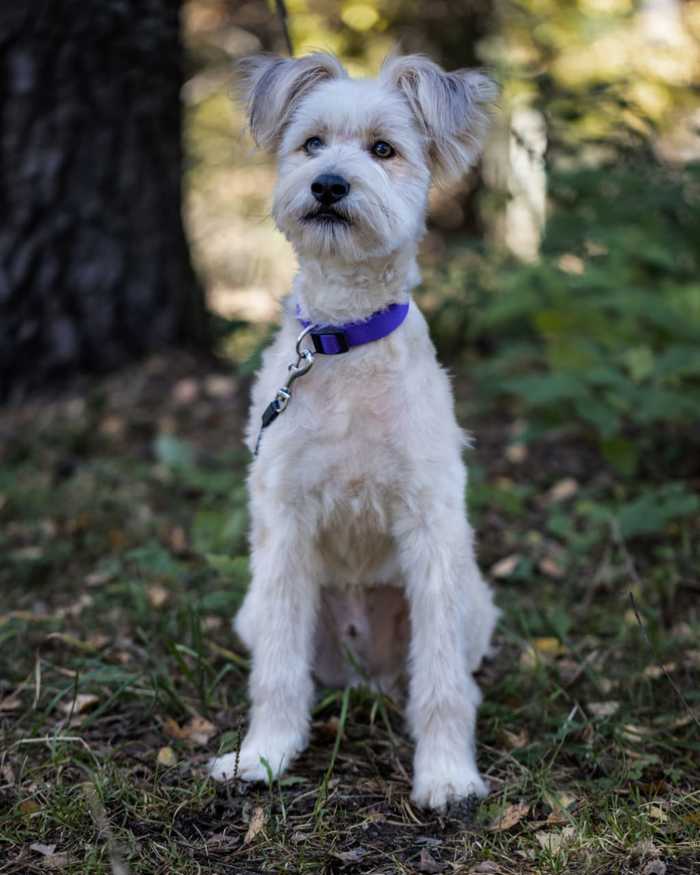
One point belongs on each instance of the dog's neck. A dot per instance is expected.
(336, 292)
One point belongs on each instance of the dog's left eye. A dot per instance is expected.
(383, 150)
(313, 145)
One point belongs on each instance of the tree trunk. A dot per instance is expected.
(94, 266)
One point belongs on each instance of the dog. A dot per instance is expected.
(362, 557)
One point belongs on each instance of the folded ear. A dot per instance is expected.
(452, 109)
(273, 88)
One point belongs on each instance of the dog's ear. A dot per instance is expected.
(451, 108)
(273, 87)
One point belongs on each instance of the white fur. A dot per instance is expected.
(367, 459)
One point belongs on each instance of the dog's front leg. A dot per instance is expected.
(446, 597)
(281, 608)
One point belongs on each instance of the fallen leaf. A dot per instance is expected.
(562, 490)
(81, 703)
(60, 861)
(157, 595)
(44, 850)
(658, 671)
(603, 709)
(257, 822)
(10, 703)
(7, 775)
(516, 453)
(510, 817)
(553, 841)
(166, 757)
(97, 578)
(219, 386)
(548, 646)
(506, 566)
(486, 867)
(654, 867)
(177, 540)
(185, 391)
(29, 807)
(551, 568)
(693, 818)
(352, 856)
(196, 731)
(516, 740)
(656, 812)
(426, 863)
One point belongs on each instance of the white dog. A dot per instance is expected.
(359, 538)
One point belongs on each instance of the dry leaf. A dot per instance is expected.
(185, 391)
(7, 775)
(196, 731)
(166, 757)
(10, 703)
(219, 386)
(257, 822)
(654, 867)
(548, 646)
(29, 807)
(553, 841)
(97, 578)
(426, 863)
(177, 539)
(44, 850)
(562, 490)
(157, 595)
(656, 812)
(551, 568)
(58, 861)
(693, 818)
(352, 856)
(486, 868)
(516, 740)
(510, 817)
(81, 703)
(603, 709)
(658, 671)
(516, 453)
(506, 566)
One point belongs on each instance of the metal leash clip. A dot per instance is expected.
(303, 364)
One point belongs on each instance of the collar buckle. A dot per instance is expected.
(329, 342)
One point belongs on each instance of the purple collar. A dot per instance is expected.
(337, 339)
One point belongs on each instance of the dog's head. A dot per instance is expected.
(356, 156)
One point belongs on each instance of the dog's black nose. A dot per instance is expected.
(329, 189)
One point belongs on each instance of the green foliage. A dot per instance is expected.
(600, 337)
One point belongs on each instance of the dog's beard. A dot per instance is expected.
(327, 216)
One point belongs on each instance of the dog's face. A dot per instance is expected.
(356, 156)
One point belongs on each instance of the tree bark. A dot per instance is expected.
(94, 266)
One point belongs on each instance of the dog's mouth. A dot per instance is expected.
(326, 216)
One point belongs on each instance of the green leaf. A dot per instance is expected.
(173, 452)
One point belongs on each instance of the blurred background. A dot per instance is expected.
(140, 275)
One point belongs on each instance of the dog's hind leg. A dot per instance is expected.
(281, 611)
(449, 604)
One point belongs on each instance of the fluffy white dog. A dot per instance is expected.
(360, 541)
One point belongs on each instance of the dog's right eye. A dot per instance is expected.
(313, 145)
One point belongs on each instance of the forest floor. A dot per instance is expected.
(122, 535)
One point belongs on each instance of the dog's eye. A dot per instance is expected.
(383, 150)
(313, 145)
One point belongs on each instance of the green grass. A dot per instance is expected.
(122, 531)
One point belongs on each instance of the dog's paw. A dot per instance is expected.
(260, 759)
(440, 788)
